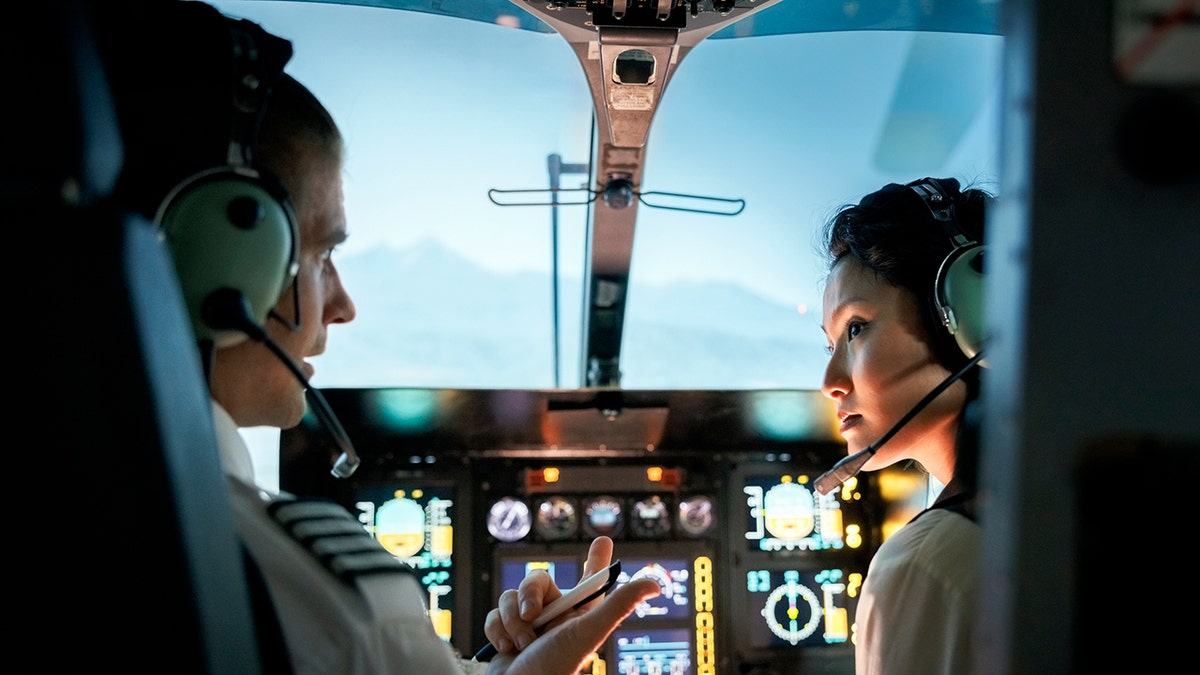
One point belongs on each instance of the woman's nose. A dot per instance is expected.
(836, 383)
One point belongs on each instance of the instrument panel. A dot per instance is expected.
(758, 572)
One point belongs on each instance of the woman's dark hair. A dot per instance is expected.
(893, 232)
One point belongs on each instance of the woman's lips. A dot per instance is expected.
(849, 421)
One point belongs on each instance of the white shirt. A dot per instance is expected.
(916, 614)
(375, 623)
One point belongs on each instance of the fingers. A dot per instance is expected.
(509, 626)
(595, 625)
(535, 590)
(599, 556)
(565, 648)
(493, 624)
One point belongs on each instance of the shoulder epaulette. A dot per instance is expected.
(333, 536)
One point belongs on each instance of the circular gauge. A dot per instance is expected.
(556, 519)
(603, 516)
(509, 520)
(792, 611)
(660, 605)
(696, 515)
(650, 517)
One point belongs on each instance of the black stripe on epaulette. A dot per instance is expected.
(334, 537)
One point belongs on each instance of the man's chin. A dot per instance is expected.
(294, 413)
(292, 422)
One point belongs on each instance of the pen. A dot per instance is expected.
(586, 591)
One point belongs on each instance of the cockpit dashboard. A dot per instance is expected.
(476, 488)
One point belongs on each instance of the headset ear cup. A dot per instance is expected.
(226, 229)
(959, 296)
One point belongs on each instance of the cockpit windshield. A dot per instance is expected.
(468, 274)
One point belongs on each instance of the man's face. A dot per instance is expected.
(248, 380)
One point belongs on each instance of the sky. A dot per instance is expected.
(435, 115)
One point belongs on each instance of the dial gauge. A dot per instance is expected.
(603, 516)
(556, 519)
(696, 515)
(509, 519)
(650, 517)
(792, 611)
(661, 605)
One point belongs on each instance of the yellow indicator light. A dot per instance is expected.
(856, 579)
(654, 473)
(854, 536)
(848, 489)
(596, 664)
(837, 622)
(550, 474)
(706, 656)
(442, 619)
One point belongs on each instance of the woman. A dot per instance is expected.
(889, 349)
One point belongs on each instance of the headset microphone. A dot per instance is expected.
(228, 309)
(847, 467)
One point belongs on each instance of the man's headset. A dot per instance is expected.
(233, 234)
(958, 299)
(231, 227)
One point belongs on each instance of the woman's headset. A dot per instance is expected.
(230, 229)
(958, 286)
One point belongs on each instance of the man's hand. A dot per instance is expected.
(568, 641)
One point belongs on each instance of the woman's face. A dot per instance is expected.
(881, 365)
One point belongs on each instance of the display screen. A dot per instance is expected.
(666, 651)
(415, 523)
(564, 570)
(784, 513)
(674, 582)
(790, 607)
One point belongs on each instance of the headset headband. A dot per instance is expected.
(941, 206)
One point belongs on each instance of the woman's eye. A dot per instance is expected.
(853, 330)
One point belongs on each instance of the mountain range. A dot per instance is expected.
(428, 317)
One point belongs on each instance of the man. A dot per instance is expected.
(190, 96)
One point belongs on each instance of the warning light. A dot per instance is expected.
(550, 474)
(654, 473)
